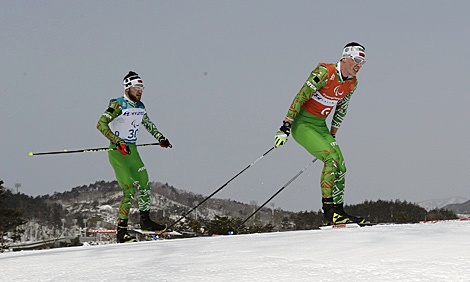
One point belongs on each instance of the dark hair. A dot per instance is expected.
(354, 44)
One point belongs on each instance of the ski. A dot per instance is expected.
(340, 226)
(146, 232)
(347, 225)
(140, 235)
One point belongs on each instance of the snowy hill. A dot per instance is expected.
(415, 252)
(95, 206)
(440, 203)
(463, 208)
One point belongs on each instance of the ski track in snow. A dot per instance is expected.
(415, 252)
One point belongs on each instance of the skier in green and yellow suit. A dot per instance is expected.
(329, 86)
(120, 124)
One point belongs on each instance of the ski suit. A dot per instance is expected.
(120, 122)
(324, 90)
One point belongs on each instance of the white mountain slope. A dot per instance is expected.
(416, 252)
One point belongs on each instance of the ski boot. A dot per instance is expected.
(146, 224)
(122, 236)
(328, 211)
(340, 216)
(335, 214)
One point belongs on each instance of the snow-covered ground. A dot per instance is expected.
(419, 252)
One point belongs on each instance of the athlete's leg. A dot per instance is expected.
(312, 133)
(339, 183)
(141, 180)
(140, 175)
(121, 166)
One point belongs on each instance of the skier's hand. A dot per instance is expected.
(123, 148)
(281, 136)
(333, 131)
(163, 141)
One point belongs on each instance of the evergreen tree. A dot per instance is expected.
(10, 220)
(306, 220)
(223, 225)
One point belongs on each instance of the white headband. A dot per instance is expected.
(354, 51)
(131, 81)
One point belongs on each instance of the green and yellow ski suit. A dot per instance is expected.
(324, 90)
(120, 123)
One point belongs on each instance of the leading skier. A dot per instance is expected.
(329, 86)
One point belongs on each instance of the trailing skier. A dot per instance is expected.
(120, 124)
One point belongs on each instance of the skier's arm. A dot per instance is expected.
(317, 79)
(153, 130)
(150, 126)
(340, 112)
(114, 110)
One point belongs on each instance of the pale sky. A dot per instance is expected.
(219, 78)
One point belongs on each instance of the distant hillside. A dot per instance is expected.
(96, 206)
(441, 203)
(463, 208)
(168, 203)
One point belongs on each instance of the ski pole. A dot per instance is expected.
(105, 149)
(220, 188)
(279, 191)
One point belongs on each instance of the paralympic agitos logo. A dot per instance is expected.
(337, 93)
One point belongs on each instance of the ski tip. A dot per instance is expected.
(340, 226)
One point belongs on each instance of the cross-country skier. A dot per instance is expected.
(329, 86)
(120, 124)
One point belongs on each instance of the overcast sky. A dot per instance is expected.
(219, 78)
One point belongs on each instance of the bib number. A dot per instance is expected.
(132, 134)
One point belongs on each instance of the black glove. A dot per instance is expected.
(163, 141)
(285, 128)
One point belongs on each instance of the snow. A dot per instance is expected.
(106, 208)
(415, 252)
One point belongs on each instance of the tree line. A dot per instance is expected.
(379, 211)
